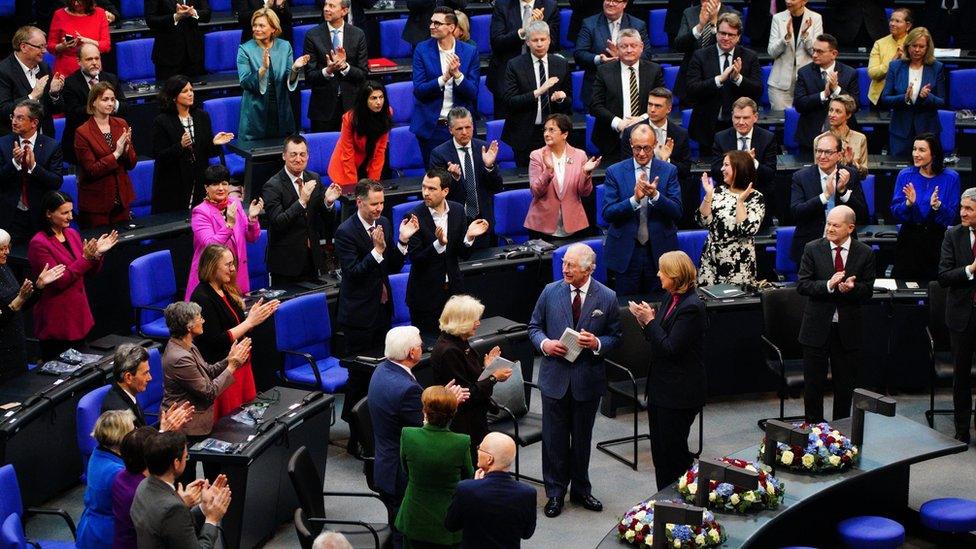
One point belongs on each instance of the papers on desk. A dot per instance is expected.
(499, 363)
(885, 284)
(570, 340)
(947, 52)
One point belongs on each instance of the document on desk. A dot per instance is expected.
(570, 340)
(886, 284)
(499, 363)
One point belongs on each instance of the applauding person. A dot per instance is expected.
(915, 90)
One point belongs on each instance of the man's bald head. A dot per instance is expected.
(501, 448)
(840, 224)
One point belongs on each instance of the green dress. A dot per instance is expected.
(435, 460)
(265, 103)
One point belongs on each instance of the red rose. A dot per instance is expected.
(639, 538)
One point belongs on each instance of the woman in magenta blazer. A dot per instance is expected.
(221, 219)
(559, 176)
(62, 317)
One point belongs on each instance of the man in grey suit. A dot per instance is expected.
(571, 389)
(168, 515)
(337, 67)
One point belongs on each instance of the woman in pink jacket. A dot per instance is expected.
(559, 176)
(221, 219)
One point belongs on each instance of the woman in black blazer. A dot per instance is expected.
(454, 360)
(676, 381)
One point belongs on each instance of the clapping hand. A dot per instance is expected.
(557, 96)
(18, 153)
(192, 493)
(908, 92)
(477, 228)
(547, 159)
(489, 154)
(547, 85)
(230, 215)
(490, 357)
(454, 170)
(106, 242)
(90, 249)
(408, 227)
(441, 235)
(26, 289)
(847, 285)
(176, 416)
(379, 239)
(332, 193)
(308, 187)
(260, 312)
(337, 60)
(806, 26)
(924, 92)
(643, 312)
(835, 280)
(744, 195)
(640, 188)
(538, 14)
(909, 191)
(239, 351)
(736, 69)
(591, 164)
(651, 189)
(454, 66)
(28, 159)
(934, 200)
(665, 149)
(215, 500)
(300, 62)
(788, 37)
(222, 138)
(183, 11)
(611, 51)
(265, 62)
(843, 178)
(255, 209)
(461, 394)
(707, 185)
(185, 140)
(831, 185)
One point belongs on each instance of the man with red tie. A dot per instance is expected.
(837, 275)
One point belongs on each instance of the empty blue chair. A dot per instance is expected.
(405, 156)
(86, 414)
(590, 147)
(871, 532)
(692, 144)
(135, 59)
(600, 273)
(398, 287)
(400, 96)
(392, 45)
(305, 96)
(150, 399)
(962, 89)
(785, 267)
(12, 536)
(298, 38)
(7, 8)
(303, 2)
(565, 42)
(320, 148)
(948, 135)
(69, 186)
(867, 186)
(304, 334)
(692, 243)
(864, 83)
(790, 123)
(952, 515)
(220, 50)
(493, 132)
(142, 183)
(510, 210)
(670, 77)
(12, 505)
(221, 5)
(59, 128)
(764, 99)
(577, 83)
(486, 100)
(481, 32)
(131, 9)
(152, 286)
(655, 28)
(601, 196)
(257, 267)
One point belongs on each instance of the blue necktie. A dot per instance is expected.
(832, 201)
(336, 43)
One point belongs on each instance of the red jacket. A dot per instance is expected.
(99, 173)
(62, 312)
(350, 152)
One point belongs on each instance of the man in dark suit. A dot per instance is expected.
(419, 16)
(571, 389)
(761, 14)
(75, 95)
(493, 510)
(536, 85)
(744, 135)
(301, 212)
(837, 275)
(443, 239)
(25, 75)
(856, 23)
(957, 266)
(951, 19)
(509, 38)
(698, 29)
(337, 68)
(30, 166)
(130, 374)
(816, 84)
(672, 20)
(717, 76)
(620, 93)
(471, 162)
(175, 27)
(817, 189)
(596, 42)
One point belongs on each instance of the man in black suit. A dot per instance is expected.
(957, 267)
(698, 29)
(471, 162)
(837, 275)
(744, 135)
(417, 27)
(536, 85)
(338, 66)
(596, 42)
(443, 239)
(25, 75)
(178, 38)
(581, 9)
(815, 190)
(951, 19)
(301, 212)
(75, 94)
(816, 84)
(856, 23)
(672, 21)
(717, 76)
(509, 38)
(620, 93)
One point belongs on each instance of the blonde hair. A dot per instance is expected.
(678, 266)
(459, 315)
(463, 25)
(112, 426)
(210, 262)
(272, 18)
(910, 39)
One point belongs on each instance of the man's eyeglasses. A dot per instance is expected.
(41, 47)
(614, 2)
(724, 34)
(19, 118)
(485, 451)
(642, 148)
(825, 152)
(438, 23)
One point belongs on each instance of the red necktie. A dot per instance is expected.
(577, 306)
(674, 303)
(24, 174)
(838, 260)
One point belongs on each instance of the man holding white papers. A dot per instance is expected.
(571, 391)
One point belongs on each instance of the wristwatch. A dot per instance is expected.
(492, 378)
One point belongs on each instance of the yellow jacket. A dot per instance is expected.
(882, 53)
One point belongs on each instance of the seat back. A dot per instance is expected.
(307, 483)
(590, 147)
(565, 42)
(12, 533)
(10, 502)
(864, 83)
(785, 266)
(947, 119)
(493, 132)
(86, 414)
(670, 78)
(303, 530)
(303, 325)
(486, 100)
(134, 59)
(398, 212)
(765, 70)
(225, 113)
(305, 97)
(511, 208)
(367, 444)
(152, 283)
(510, 395)
(962, 89)
(792, 120)
(220, 50)
(257, 266)
(782, 314)
(59, 128)
(692, 243)
(220, 5)
(150, 399)
(142, 183)
(686, 122)
(400, 97)
(481, 32)
(632, 350)
(69, 186)
(577, 83)
(131, 9)
(405, 152)
(599, 274)
(937, 322)
(298, 38)
(655, 27)
(320, 148)
(392, 44)
(398, 287)
(601, 196)
(867, 186)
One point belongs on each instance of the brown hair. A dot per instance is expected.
(96, 92)
(561, 121)
(743, 169)
(677, 265)
(439, 405)
(210, 261)
(914, 35)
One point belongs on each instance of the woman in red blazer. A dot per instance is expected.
(62, 317)
(361, 150)
(103, 146)
(559, 176)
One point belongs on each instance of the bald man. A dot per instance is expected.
(493, 509)
(837, 275)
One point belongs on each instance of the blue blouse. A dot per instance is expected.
(921, 211)
(96, 529)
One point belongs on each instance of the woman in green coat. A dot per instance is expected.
(435, 460)
(268, 76)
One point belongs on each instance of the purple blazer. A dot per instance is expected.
(123, 492)
(209, 227)
(62, 311)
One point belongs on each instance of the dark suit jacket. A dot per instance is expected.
(608, 100)
(162, 519)
(680, 155)
(117, 399)
(99, 172)
(940, 23)
(453, 358)
(763, 140)
(291, 227)
(337, 91)
(75, 99)
(46, 176)
(517, 88)
(760, 21)
(506, 20)
(14, 88)
(957, 254)
(808, 211)
(488, 182)
(816, 268)
(428, 269)
(246, 8)
(394, 403)
(362, 277)
(582, 10)
(672, 21)
(592, 41)
(709, 100)
(172, 42)
(417, 28)
(686, 43)
(677, 374)
(806, 99)
(177, 171)
(494, 512)
(844, 19)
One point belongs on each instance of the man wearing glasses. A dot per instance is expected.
(597, 41)
(816, 84)
(818, 189)
(25, 75)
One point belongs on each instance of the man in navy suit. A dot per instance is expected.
(30, 165)
(642, 205)
(816, 84)
(597, 41)
(744, 135)
(471, 162)
(337, 67)
(698, 28)
(493, 510)
(445, 75)
(25, 75)
(443, 239)
(509, 31)
(571, 390)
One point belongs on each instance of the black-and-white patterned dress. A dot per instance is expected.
(729, 255)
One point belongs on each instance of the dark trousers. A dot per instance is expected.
(535, 142)
(358, 341)
(963, 345)
(843, 367)
(428, 144)
(669, 442)
(333, 124)
(567, 430)
(640, 278)
(308, 272)
(88, 220)
(392, 503)
(21, 226)
(428, 322)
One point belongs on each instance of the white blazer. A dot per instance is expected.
(787, 59)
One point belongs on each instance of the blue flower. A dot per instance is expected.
(725, 490)
(682, 532)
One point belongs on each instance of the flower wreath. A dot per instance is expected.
(637, 528)
(726, 497)
(827, 450)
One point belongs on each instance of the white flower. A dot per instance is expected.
(834, 460)
(750, 496)
(712, 496)
(682, 482)
(787, 457)
(816, 431)
(770, 488)
(677, 543)
(639, 515)
(835, 433)
(734, 500)
(751, 468)
(713, 533)
(819, 442)
(807, 461)
(630, 535)
(700, 539)
(624, 522)
(693, 488)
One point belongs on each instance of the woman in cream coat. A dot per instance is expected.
(791, 47)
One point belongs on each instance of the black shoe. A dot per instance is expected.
(588, 502)
(553, 507)
(963, 437)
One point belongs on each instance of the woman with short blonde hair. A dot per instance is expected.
(677, 266)
(460, 315)
(97, 525)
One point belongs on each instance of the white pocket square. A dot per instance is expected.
(596, 313)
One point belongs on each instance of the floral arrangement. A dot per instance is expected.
(827, 450)
(637, 528)
(726, 497)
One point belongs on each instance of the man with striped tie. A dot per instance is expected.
(337, 67)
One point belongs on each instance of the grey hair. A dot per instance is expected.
(968, 194)
(345, 3)
(628, 33)
(587, 257)
(400, 340)
(34, 108)
(128, 357)
(4, 238)
(457, 113)
(180, 316)
(537, 27)
(331, 540)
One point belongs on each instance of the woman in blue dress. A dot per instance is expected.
(96, 529)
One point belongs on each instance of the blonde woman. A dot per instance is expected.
(887, 49)
(97, 525)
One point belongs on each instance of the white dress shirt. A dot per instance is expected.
(535, 69)
(448, 84)
(625, 83)
(915, 81)
(408, 370)
(440, 221)
(33, 142)
(340, 37)
(721, 62)
(837, 90)
(823, 188)
(31, 74)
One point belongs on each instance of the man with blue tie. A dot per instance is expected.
(445, 75)
(571, 389)
(642, 205)
(337, 66)
(597, 41)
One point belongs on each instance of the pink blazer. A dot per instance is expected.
(546, 204)
(209, 227)
(62, 311)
